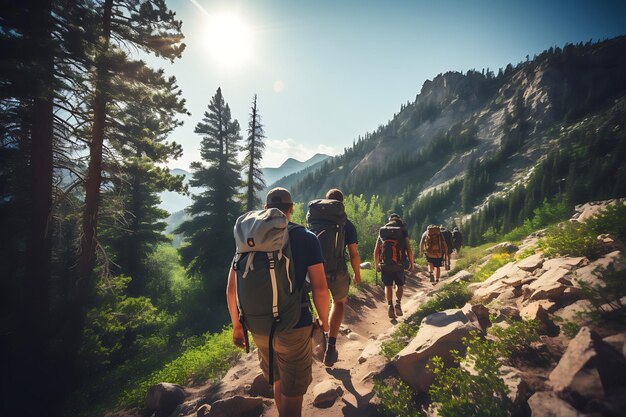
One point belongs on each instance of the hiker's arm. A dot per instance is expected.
(409, 253)
(355, 261)
(377, 256)
(231, 299)
(422, 246)
(321, 296)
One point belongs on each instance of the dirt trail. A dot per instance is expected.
(365, 321)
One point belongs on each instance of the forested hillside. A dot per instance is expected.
(494, 145)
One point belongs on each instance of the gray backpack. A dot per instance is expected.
(268, 298)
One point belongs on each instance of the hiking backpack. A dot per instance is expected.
(327, 219)
(433, 242)
(268, 297)
(457, 239)
(392, 248)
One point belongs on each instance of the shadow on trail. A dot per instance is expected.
(362, 406)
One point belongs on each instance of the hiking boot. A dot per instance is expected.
(392, 314)
(398, 310)
(330, 356)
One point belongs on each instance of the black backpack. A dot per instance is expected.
(327, 219)
(457, 238)
(392, 249)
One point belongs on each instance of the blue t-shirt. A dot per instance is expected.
(350, 233)
(306, 251)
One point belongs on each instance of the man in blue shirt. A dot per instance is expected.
(340, 284)
(293, 350)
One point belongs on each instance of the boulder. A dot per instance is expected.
(370, 350)
(536, 311)
(573, 311)
(438, 334)
(509, 294)
(489, 291)
(565, 262)
(164, 398)
(548, 404)
(366, 265)
(507, 313)
(502, 247)
(518, 388)
(260, 387)
(478, 315)
(326, 393)
(592, 273)
(589, 368)
(462, 275)
(203, 411)
(531, 263)
(237, 406)
(592, 208)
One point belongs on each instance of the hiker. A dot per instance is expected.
(447, 235)
(434, 246)
(392, 247)
(327, 219)
(281, 328)
(457, 240)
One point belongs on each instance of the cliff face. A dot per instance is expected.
(457, 119)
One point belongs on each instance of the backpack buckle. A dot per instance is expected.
(272, 263)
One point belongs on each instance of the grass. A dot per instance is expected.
(469, 257)
(495, 262)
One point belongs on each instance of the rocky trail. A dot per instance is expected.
(344, 389)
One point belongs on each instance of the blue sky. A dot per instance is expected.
(328, 71)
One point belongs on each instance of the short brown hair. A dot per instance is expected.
(334, 194)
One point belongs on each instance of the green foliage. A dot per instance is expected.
(208, 361)
(367, 218)
(496, 261)
(611, 220)
(453, 295)
(396, 399)
(606, 301)
(570, 239)
(469, 256)
(546, 214)
(459, 392)
(168, 281)
(298, 215)
(515, 338)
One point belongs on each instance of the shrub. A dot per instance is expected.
(460, 391)
(606, 301)
(516, 338)
(570, 239)
(611, 220)
(496, 261)
(469, 256)
(396, 400)
(399, 339)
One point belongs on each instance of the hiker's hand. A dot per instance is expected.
(357, 279)
(239, 339)
(323, 327)
(377, 267)
(411, 266)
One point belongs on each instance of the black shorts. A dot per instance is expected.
(390, 276)
(436, 262)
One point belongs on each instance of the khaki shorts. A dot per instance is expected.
(338, 284)
(293, 359)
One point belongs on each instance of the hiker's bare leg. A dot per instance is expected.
(389, 293)
(336, 316)
(277, 394)
(399, 291)
(290, 406)
(437, 272)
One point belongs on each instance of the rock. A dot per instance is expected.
(438, 334)
(502, 247)
(164, 398)
(203, 411)
(489, 291)
(366, 265)
(260, 387)
(354, 336)
(587, 210)
(617, 342)
(326, 393)
(573, 311)
(536, 311)
(371, 349)
(508, 312)
(478, 315)
(592, 273)
(462, 275)
(531, 263)
(509, 294)
(565, 263)
(547, 404)
(518, 388)
(549, 292)
(551, 284)
(237, 406)
(589, 368)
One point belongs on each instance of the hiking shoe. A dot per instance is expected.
(330, 356)
(392, 314)
(398, 309)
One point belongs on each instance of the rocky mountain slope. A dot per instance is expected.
(575, 365)
(501, 124)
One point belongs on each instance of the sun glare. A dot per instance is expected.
(229, 40)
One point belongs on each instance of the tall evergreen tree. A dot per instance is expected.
(208, 235)
(254, 153)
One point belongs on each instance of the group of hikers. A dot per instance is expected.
(277, 263)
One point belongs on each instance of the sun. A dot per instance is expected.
(229, 40)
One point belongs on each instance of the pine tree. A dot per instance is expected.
(208, 235)
(254, 153)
